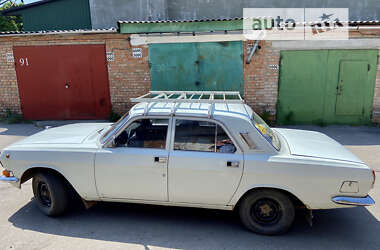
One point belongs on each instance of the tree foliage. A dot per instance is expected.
(10, 23)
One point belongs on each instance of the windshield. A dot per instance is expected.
(265, 131)
(114, 126)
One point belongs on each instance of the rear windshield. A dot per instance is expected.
(265, 131)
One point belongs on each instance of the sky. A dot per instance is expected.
(29, 1)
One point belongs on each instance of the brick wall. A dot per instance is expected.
(9, 98)
(261, 81)
(376, 98)
(128, 76)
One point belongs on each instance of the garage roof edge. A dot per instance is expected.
(58, 32)
(199, 25)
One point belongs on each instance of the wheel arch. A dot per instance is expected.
(298, 203)
(31, 171)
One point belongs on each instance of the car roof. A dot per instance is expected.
(220, 110)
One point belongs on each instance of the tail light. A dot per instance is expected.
(374, 177)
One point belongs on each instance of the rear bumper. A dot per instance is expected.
(354, 201)
(8, 179)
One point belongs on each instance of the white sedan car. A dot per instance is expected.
(190, 152)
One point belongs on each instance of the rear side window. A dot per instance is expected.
(201, 136)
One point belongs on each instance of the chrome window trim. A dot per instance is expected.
(265, 139)
(139, 117)
(172, 118)
(115, 130)
(239, 148)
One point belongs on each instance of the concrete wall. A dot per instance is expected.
(199, 9)
(105, 14)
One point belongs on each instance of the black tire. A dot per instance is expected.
(267, 212)
(50, 194)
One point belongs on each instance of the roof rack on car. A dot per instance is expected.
(176, 97)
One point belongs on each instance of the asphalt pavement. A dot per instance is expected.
(130, 226)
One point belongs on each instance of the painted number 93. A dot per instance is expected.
(24, 61)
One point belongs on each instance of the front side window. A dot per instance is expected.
(144, 133)
(201, 136)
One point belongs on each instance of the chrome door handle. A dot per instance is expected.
(158, 159)
(233, 164)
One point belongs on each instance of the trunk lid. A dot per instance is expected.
(315, 144)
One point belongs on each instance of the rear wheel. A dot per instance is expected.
(50, 193)
(267, 212)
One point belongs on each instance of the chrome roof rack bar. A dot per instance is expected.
(190, 97)
(177, 97)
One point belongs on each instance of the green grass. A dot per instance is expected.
(113, 116)
(13, 118)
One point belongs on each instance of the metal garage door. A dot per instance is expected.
(63, 82)
(326, 86)
(197, 66)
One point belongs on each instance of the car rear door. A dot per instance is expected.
(205, 165)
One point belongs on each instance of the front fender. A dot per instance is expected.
(76, 167)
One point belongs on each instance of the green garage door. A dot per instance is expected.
(326, 86)
(212, 66)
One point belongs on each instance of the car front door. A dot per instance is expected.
(205, 165)
(135, 165)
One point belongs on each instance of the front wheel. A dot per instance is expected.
(267, 212)
(50, 194)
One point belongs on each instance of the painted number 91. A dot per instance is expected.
(24, 61)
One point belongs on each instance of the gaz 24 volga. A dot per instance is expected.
(191, 149)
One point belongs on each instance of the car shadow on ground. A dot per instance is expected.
(184, 228)
(21, 129)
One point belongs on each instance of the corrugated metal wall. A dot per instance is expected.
(57, 15)
(197, 66)
(326, 86)
(107, 13)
